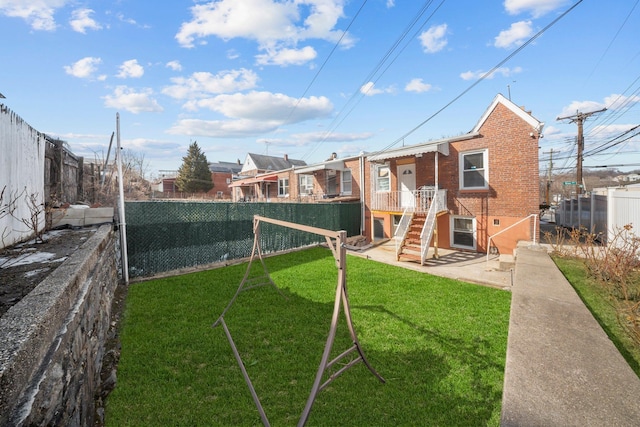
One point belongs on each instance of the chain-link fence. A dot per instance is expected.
(169, 235)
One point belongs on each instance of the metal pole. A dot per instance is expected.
(106, 162)
(247, 380)
(123, 224)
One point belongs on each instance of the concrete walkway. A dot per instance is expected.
(561, 368)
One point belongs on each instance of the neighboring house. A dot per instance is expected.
(457, 192)
(478, 191)
(256, 164)
(264, 177)
(222, 175)
(332, 179)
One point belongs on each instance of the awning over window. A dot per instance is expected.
(441, 146)
(254, 180)
(336, 164)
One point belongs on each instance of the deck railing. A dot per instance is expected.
(412, 201)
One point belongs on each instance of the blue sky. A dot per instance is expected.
(311, 77)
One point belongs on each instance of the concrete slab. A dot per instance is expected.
(561, 368)
(81, 216)
(469, 267)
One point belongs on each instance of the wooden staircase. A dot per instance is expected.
(411, 245)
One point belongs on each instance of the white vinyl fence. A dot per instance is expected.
(602, 214)
(22, 162)
(624, 209)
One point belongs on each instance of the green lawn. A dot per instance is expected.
(599, 302)
(439, 343)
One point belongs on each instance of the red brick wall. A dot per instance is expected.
(219, 180)
(513, 191)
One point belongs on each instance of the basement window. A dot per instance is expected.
(463, 232)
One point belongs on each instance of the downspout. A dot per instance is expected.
(362, 201)
(435, 230)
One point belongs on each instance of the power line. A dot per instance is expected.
(613, 39)
(341, 116)
(579, 119)
(327, 59)
(483, 77)
(612, 143)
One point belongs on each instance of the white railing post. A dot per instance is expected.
(401, 232)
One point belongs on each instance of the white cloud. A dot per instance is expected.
(616, 101)
(130, 68)
(391, 3)
(503, 71)
(311, 137)
(274, 25)
(174, 65)
(201, 84)
(611, 102)
(83, 68)
(536, 7)
(251, 114)
(517, 34)
(37, 13)
(81, 21)
(433, 40)
(418, 86)
(287, 56)
(369, 89)
(221, 128)
(135, 102)
(267, 106)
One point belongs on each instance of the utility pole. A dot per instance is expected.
(579, 119)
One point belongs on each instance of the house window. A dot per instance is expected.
(283, 187)
(383, 178)
(474, 172)
(306, 184)
(346, 182)
(463, 232)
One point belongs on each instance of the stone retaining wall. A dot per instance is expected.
(53, 341)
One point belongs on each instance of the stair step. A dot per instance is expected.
(506, 262)
(412, 248)
(412, 257)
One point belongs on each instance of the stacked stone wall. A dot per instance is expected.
(54, 340)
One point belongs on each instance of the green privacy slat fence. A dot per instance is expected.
(169, 235)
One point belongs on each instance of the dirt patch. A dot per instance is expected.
(25, 265)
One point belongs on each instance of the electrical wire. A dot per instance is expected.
(340, 117)
(482, 78)
(613, 40)
(327, 59)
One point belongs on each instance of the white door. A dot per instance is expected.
(407, 185)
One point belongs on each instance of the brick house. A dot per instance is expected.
(474, 192)
(458, 192)
(222, 175)
(263, 178)
(331, 180)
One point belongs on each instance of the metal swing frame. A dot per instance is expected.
(336, 241)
